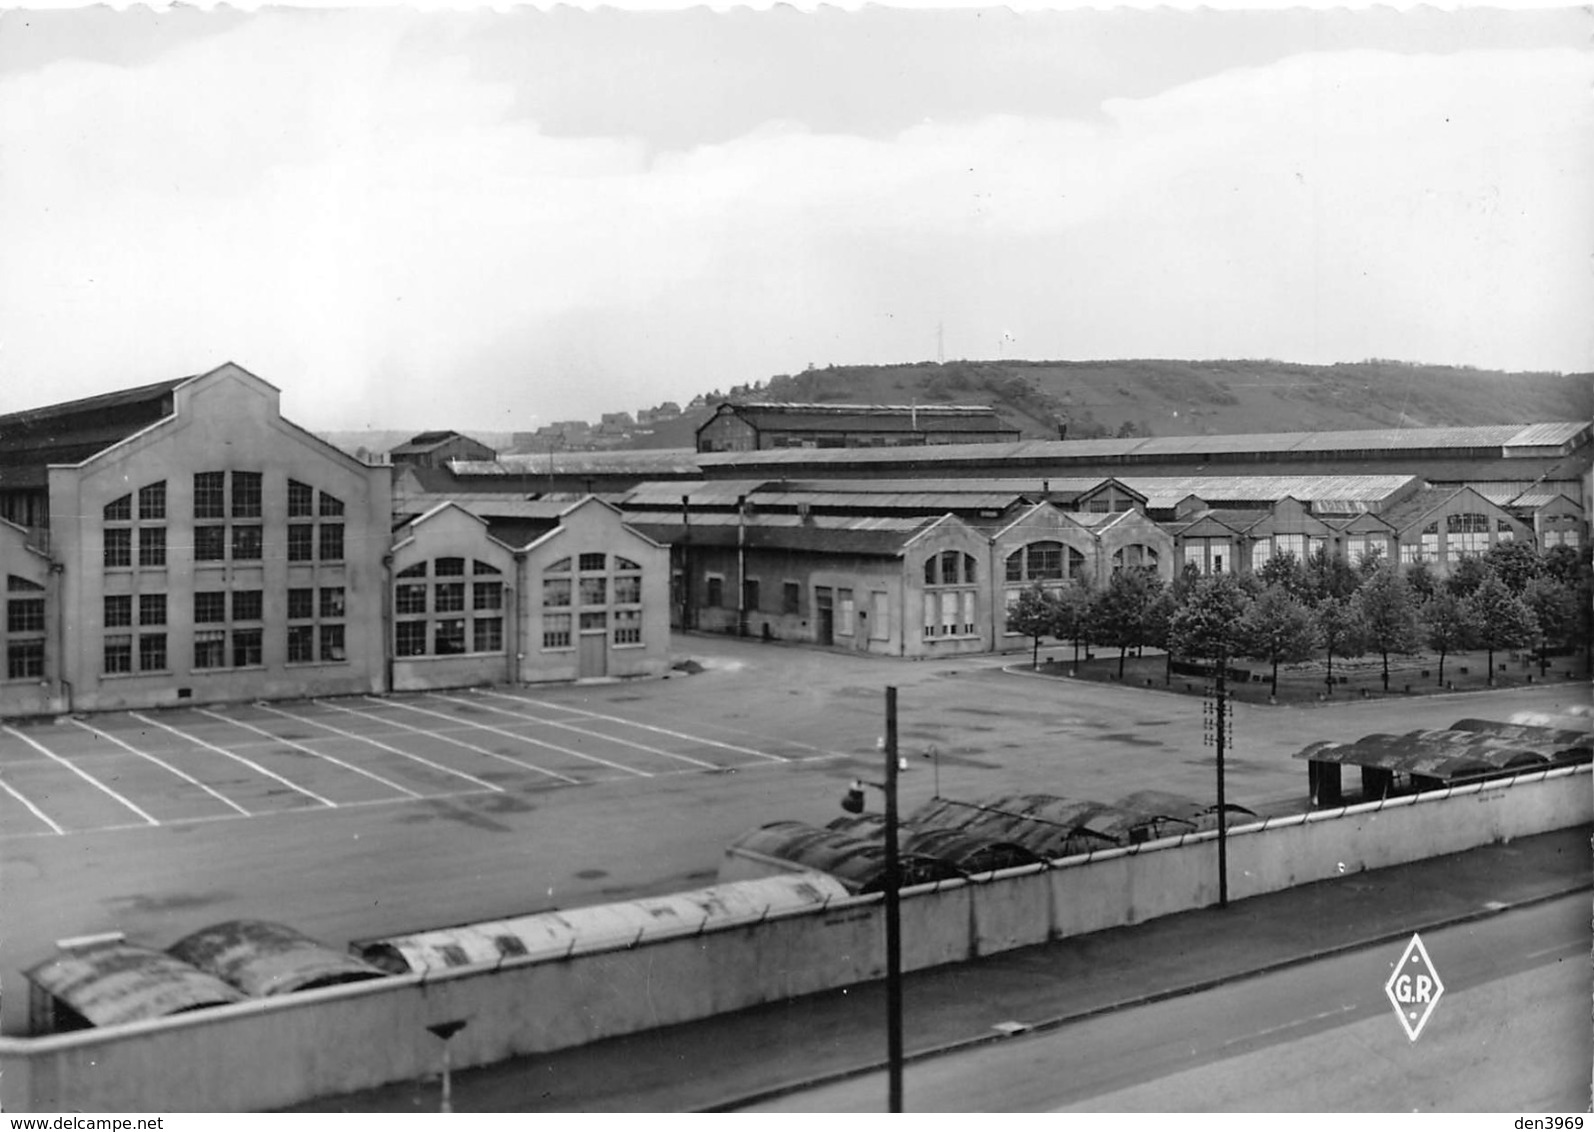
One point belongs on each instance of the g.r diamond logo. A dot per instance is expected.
(1414, 988)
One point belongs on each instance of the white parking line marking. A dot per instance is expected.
(582, 730)
(528, 739)
(649, 727)
(38, 813)
(378, 743)
(86, 777)
(510, 759)
(301, 747)
(250, 763)
(163, 765)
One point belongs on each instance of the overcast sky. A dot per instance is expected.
(492, 221)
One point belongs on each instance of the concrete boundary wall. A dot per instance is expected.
(274, 1053)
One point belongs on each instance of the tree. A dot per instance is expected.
(1329, 575)
(1466, 576)
(1515, 563)
(1277, 628)
(1072, 613)
(1421, 580)
(1286, 572)
(1503, 621)
(1566, 564)
(1448, 624)
(1158, 620)
(1386, 607)
(1339, 631)
(1555, 610)
(1119, 614)
(1034, 615)
(1207, 624)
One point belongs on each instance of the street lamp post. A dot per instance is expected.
(853, 803)
(443, 1031)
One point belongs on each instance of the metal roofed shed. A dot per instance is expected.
(114, 982)
(549, 935)
(1471, 751)
(264, 959)
(859, 863)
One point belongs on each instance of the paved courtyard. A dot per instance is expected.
(122, 770)
(356, 817)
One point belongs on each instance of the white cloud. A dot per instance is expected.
(369, 224)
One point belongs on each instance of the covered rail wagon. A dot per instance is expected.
(1049, 826)
(264, 959)
(1170, 814)
(546, 935)
(1473, 750)
(111, 982)
(859, 863)
(966, 852)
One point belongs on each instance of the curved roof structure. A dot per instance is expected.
(1470, 749)
(117, 982)
(554, 934)
(964, 851)
(263, 959)
(857, 862)
(1048, 826)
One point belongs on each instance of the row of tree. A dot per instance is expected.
(1290, 611)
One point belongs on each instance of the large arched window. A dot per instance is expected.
(950, 603)
(1135, 556)
(448, 607)
(1044, 562)
(1048, 562)
(1466, 533)
(589, 594)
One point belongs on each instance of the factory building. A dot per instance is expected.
(183, 543)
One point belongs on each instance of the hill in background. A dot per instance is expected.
(1138, 398)
(1178, 398)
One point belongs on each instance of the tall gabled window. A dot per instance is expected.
(210, 495)
(246, 495)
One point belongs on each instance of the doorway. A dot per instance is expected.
(593, 655)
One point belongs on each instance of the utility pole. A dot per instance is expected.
(893, 913)
(1217, 714)
(686, 562)
(853, 804)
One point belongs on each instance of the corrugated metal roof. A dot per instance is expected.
(1530, 500)
(951, 485)
(487, 505)
(117, 982)
(839, 408)
(1153, 448)
(630, 461)
(545, 935)
(1218, 490)
(1551, 434)
(706, 493)
(938, 502)
(263, 959)
(1406, 511)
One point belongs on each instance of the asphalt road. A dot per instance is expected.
(411, 863)
(1509, 1033)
